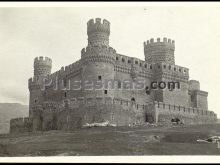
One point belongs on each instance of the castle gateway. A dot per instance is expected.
(107, 86)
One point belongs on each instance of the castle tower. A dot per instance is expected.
(159, 51)
(98, 32)
(194, 85)
(98, 58)
(197, 97)
(42, 68)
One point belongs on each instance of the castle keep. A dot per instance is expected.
(59, 105)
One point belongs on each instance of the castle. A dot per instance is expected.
(55, 103)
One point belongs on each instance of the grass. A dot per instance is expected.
(143, 140)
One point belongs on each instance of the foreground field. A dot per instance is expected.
(145, 140)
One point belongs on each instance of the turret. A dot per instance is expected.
(194, 85)
(42, 66)
(159, 51)
(198, 98)
(98, 58)
(98, 32)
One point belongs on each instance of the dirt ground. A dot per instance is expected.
(141, 140)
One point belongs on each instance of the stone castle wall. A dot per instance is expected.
(165, 112)
(101, 63)
(75, 112)
(78, 111)
(20, 125)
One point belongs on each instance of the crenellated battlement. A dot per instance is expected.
(160, 42)
(98, 49)
(159, 50)
(181, 109)
(19, 125)
(165, 69)
(98, 25)
(42, 61)
(98, 32)
(65, 70)
(98, 53)
(74, 67)
(42, 66)
(20, 121)
(124, 63)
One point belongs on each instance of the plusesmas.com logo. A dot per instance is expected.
(126, 84)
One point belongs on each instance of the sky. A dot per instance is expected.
(60, 33)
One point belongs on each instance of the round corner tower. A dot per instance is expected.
(42, 68)
(98, 32)
(98, 57)
(159, 51)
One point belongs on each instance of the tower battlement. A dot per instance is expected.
(98, 48)
(42, 66)
(161, 50)
(42, 61)
(99, 53)
(160, 42)
(98, 25)
(98, 32)
(174, 72)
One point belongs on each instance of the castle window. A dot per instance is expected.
(65, 94)
(136, 62)
(164, 66)
(180, 70)
(145, 65)
(112, 116)
(169, 67)
(140, 64)
(116, 58)
(174, 69)
(150, 66)
(123, 60)
(106, 91)
(35, 100)
(184, 71)
(100, 77)
(129, 61)
(147, 90)
(119, 84)
(64, 82)
(132, 99)
(158, 66)
(192, 98)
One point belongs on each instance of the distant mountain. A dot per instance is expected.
(9, 111)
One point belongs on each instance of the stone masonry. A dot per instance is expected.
(56, 104)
